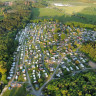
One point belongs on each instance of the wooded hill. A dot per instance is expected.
(9, 26)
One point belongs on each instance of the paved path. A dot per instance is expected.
(29, 81)
(35, 92)
(6, 87)
(51, 77)
(75, 72)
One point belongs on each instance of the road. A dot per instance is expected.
(83, 70)
(38, 92)
(75, 72)
(29, 81)
(9, 83)
(35, 92)
(51, 77)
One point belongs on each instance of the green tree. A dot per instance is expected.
(54, 48)
(56, 37)
(63, 36)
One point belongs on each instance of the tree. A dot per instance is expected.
(4, 79)
(63, 36)
(72, 86)
(57, 30)
(69, 46)
(57, 21)
(54, 48)
(90, 50)
(67, 31)
(80, 93)
(78, 30)
(56, 37)
(64, 92)
(77, 62)
(30, 95)
(40, 80)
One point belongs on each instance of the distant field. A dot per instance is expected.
(46, 12)
(84, 12)
(6, 0)
(90, 10)
(72, 9)
(57, 11)
(41, 13)
(53, 10)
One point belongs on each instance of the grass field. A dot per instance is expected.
(46, 12)
(15, 92)
(6, 0)
(72, 9)
(84, 12)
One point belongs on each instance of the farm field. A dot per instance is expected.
(71, 9)
(6, 0)
(79, 12)
(53, 13)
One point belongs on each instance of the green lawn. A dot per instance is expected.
(6, 0)
(15, 92)
(72, 9)
(84, 12)
(56, 11)
(41, 13)
(49, 12)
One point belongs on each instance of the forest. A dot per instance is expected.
(15, 18)
(82, 84)
(90, 50)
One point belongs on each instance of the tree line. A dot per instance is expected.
(90, 50)
(16, 19)
(81, 25)
(78, 85)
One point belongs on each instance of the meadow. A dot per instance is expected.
(17, 91)
(6, 0)
(77, 11)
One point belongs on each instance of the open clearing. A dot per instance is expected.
(63, 14)
(6, 0)
(58, 10)
(72, 9)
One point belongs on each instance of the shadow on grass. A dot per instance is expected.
(78, 17)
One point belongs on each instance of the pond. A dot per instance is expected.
(60, 4)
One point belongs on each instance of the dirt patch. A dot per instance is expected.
(92, 64)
